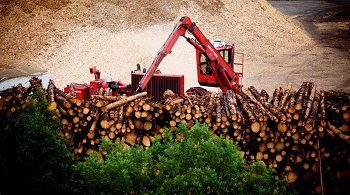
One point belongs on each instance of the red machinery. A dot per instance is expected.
(215, 60)
(83, 91)
(216, 67)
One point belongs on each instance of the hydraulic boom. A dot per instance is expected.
(225, 77)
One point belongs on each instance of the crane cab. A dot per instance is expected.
(204, 65)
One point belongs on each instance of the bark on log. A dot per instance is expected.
(102, 97)
(264, 110)
(277, 94)
(311, 120)
(300, 96)
(285, 96)
(310, 101)
(50, 92)
(289, 107)
(264, 96)
(123, 101)
(255, 125)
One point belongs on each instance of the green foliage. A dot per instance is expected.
(31, 152)
(199, 164)
(123, 171)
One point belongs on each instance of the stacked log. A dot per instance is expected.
(334, 149)
(88, 121)
(299, 141)
(303, 134)
(15, 98)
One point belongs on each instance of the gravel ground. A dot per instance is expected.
(67, 37)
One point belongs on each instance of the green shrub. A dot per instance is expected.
(122, 171)
(32, 155)
(199, 164)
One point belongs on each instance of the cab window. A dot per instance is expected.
(226, 55)
(204, 65)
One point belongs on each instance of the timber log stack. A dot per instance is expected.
(303, 134)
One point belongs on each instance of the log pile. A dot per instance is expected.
(15, 98)
(303, 134)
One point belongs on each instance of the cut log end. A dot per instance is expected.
(146, 141)
(130, 137)
(255, 127)
(291, 177)
(282, 127)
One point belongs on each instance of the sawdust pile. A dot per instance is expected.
(67, 37)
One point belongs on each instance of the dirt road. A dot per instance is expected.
(327, 62)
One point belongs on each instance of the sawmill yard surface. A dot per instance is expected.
(283, 41)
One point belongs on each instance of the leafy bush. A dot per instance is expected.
(32, 155)
(120, 173)
(199, 164)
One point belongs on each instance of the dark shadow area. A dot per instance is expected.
(328, 22)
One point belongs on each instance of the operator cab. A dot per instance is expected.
(204, 65)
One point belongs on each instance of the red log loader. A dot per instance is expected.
(215, 60)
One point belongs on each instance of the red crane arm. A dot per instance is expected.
(202, 44)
